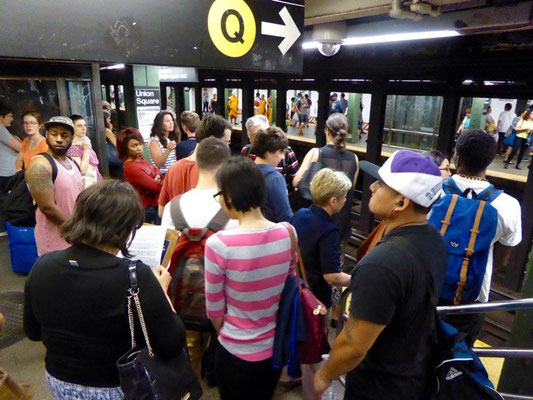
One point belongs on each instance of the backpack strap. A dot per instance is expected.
(452, 187)
(489, 194)
(469, 251)
(320, 155)
(177, 215)
(218, 221)
(52, 164)
(448, 217)
(75, 163)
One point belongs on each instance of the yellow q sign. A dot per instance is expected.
(231, 25)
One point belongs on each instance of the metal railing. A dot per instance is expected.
(505, 305)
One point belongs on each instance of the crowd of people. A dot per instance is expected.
(191, 180)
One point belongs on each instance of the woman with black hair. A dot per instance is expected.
(335, 156)
(163, 141)
(75, 299)
(245, 271)
(440, 161)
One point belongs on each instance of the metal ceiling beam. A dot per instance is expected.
(320, 11)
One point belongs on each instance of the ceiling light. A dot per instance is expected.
(399, 37)
(114, 66)
(389, 38)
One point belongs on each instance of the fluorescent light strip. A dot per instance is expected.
(394, 37)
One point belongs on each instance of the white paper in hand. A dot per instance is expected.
(147, 245)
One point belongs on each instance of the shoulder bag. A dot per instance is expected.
(314, 312)
(304, 187)
(143, 375)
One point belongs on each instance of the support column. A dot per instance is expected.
(247, 108)
(274, 111)
(373, 150)
(515, 267)
(180, 99)
(198, 99)
(147, 96)
(280, 109)
(354, 111)
(450, 109)
(477, 119)
(99, 134)
(323, 111)
(220, 104)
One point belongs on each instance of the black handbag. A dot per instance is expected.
(143, 375)
(304, 187)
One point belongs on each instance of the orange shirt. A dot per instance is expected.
(29, 154)
(181, 177)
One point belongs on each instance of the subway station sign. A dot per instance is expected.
(257, 35)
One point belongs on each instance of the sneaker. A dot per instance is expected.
(518, 167)
(505, 165)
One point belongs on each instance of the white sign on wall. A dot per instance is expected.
(148, 104)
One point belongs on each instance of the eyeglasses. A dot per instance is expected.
(215, 196)
(445, 169)
(31, 123)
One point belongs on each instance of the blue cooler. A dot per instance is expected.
(22, 248)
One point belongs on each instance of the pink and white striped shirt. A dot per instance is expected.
(245, 272)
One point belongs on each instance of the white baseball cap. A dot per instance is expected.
(409, 173)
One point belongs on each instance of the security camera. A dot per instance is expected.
(329, 37)
(329, 49)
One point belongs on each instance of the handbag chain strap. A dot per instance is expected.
(134, 294)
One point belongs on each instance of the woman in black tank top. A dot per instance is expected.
(335, 156)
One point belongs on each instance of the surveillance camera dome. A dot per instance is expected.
(329, 37)
(329, 49)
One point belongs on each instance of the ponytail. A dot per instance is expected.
(337, 125)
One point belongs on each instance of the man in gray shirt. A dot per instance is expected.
(9, 148)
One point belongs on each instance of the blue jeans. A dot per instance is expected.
(70, 391)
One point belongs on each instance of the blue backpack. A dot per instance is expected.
(468, 227)
(459, 373)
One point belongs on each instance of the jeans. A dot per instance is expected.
(71, 391)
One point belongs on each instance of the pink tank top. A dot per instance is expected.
(67, 186)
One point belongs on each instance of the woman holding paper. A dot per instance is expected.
(142, 175)
(75, 299)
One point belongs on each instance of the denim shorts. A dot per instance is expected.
(71, 391)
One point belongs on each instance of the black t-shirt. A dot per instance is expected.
(79, 311)
(390, 287)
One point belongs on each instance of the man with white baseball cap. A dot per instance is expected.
(54, 181)
(385, 345)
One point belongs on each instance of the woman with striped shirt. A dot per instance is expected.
(245, 271)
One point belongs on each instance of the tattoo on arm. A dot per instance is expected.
(350, 325)
(39, 178)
